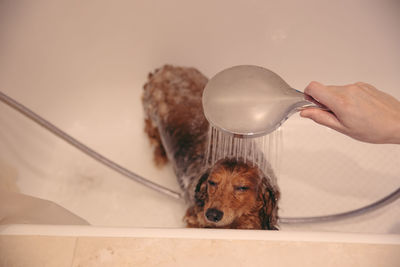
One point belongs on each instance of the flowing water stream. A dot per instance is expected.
(263, 151)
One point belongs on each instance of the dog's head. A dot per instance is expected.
(234, 194)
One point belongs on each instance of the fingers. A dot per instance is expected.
(322, 94)
(324, 118)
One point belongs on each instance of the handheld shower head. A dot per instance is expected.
(251, 101)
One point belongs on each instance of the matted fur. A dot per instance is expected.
(239, 193)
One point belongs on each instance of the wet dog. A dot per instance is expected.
(231, 193)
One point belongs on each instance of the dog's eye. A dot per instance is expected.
(212, 183)
(242, 188)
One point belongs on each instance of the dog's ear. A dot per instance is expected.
(200, 194)
(269, 197)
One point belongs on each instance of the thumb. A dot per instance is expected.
(323, 94)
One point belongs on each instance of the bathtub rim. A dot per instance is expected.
(190, 233)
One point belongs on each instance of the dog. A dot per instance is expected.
(232, 193)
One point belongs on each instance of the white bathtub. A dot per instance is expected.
(81, 65)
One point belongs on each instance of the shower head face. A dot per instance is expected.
(249, 101)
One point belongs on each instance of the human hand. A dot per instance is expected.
(358, 110)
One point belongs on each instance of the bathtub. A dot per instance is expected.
(82, 65)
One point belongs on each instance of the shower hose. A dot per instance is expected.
(159, 188)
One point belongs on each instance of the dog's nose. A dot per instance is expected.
(214, 215)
